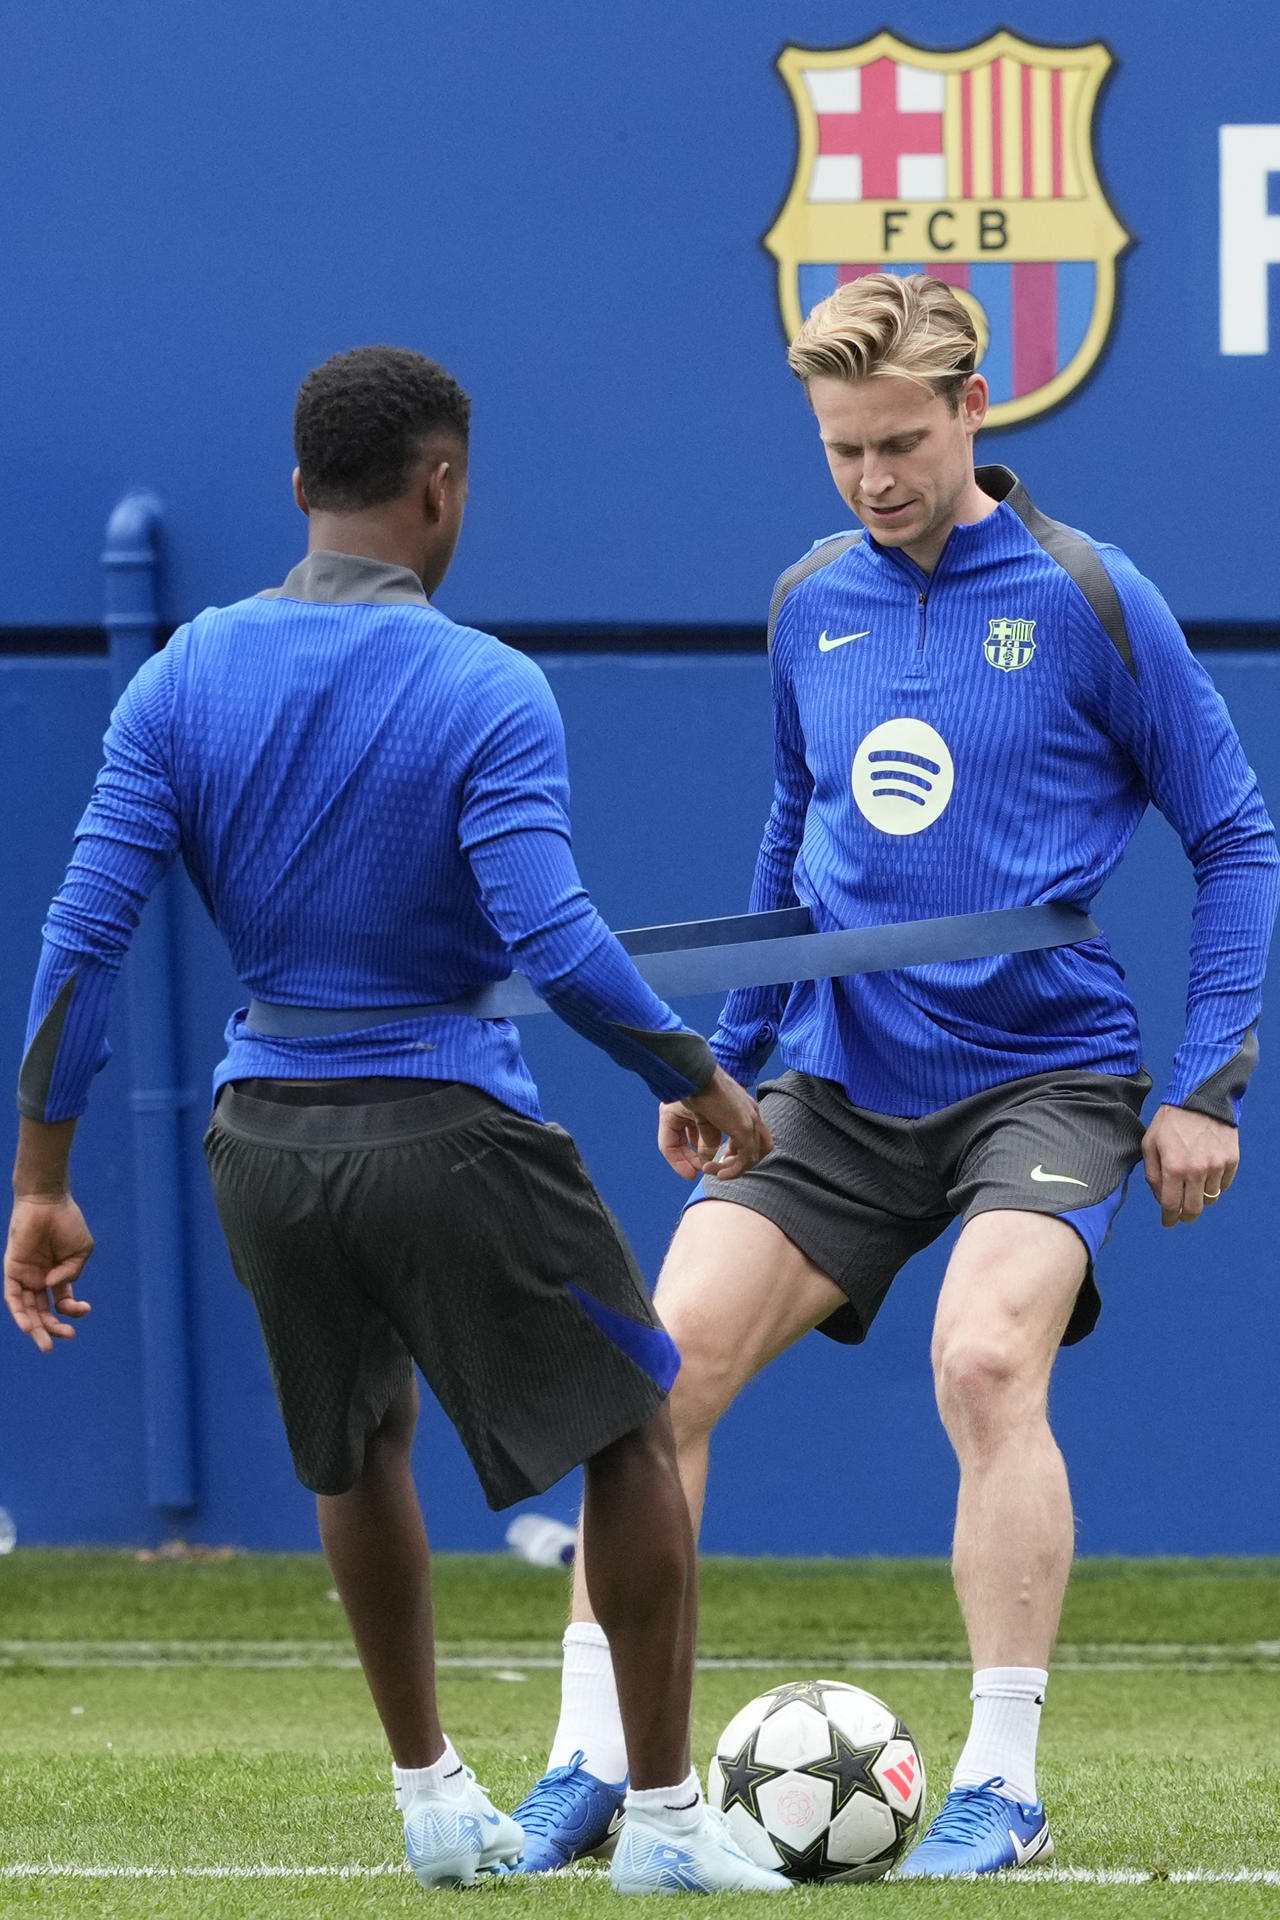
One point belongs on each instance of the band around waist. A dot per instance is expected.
(719, 956)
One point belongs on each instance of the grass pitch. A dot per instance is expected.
(190, 1738)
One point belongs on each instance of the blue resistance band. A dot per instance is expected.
(742, 950)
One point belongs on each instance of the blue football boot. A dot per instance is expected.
(568, 1815)
(979, 1830)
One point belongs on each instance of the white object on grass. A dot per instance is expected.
(542, 1541)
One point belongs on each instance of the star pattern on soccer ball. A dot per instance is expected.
(905, 1825)
(807, 1863)
(848, 1768)
(812, 1692)
(742, 1777)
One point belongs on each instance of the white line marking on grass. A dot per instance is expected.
(48, 1870)
(1031, 1877)
(1138, 1877)
(285, 1656)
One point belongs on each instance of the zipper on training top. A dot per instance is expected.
(922, 584)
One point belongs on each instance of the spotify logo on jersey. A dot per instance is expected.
(902, 776)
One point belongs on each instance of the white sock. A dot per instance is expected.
(1002, 1737)
(679, 1807)
(590, 1722)
(444, 1775)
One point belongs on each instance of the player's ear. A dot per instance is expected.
(435, 493)
(974, 400)
(299, 492)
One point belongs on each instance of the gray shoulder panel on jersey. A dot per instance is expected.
(1217, 1095)
(36, 1075)
(686, 1053)
(820, 557)
(1073, 553)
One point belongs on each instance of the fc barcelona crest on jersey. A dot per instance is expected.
(975, 166)
(1009, 643)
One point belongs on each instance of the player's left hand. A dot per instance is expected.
(1190, 1161)
(49, 1242)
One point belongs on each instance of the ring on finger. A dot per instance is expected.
(1215, 1195)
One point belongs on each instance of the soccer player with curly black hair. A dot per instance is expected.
(372, 803)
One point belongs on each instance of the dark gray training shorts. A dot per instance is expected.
(441, 1228)
(860, 1192)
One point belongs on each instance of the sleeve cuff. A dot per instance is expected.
(684, 1053)
(1220, 1093)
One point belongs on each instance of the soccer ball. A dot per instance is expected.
(819, 1780)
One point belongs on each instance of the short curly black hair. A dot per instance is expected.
(361, 419)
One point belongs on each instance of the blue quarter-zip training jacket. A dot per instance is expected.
(986, 736)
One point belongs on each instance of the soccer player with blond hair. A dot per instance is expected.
(973, 707)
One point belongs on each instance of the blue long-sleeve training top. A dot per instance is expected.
(373, 805)
(989, 736)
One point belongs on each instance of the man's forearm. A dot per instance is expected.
(44, 1149)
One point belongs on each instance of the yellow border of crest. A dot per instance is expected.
(1096, 60)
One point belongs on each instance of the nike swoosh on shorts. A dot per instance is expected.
(1062, 1179)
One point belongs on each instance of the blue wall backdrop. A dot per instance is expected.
(1168, 1413)
(565, 203)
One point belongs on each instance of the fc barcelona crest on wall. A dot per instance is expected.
(975, 166)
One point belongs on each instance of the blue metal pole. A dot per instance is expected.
(131, 616)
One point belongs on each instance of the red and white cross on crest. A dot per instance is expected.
(879, 132)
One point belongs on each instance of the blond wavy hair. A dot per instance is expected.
(885, 323)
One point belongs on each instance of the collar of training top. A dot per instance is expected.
(352, 579)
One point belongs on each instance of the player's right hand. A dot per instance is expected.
(720, 1131)
(49, 1242)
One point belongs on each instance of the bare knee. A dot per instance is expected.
(733, 1294)
(708, 1381)
(985, 1388)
